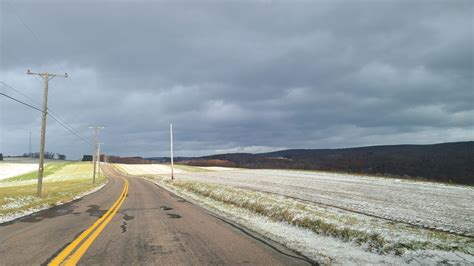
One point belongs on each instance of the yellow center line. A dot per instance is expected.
(83, 248)
(105, 219)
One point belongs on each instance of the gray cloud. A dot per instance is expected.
(240, 76)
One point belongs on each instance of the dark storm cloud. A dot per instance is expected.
(241, 76)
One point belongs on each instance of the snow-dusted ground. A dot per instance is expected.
(68, 172)
(321, 248)
(147, 169)
(218, 168)
(433, 205)
(9, 167)
(429, 204)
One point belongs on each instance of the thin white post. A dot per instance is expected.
(171, 149)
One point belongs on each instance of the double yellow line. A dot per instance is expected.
(65, 257)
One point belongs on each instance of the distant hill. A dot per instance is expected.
(445, 162)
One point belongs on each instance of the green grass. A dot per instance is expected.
(49, 169)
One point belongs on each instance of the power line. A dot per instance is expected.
(70, 129)
(22, 22)
(18, 91)
(31, 106)
(50, 112)
(63, 124)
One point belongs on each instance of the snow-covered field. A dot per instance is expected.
(432, 205)
(9, 167)
(147, 169)
(325, 234)
(218, 168)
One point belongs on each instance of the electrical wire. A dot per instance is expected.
(18, 91)
(70, 130)
(22, 22)
(29, 105)
(61, 123)
(50, 111)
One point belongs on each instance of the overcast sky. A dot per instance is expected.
(238, 76)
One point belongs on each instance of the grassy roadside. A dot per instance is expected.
(373, 236)
(64, 182)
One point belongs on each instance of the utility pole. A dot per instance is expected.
(98, 156)
(29, 147)
(171, 149)
(46, 77)
(96, 145)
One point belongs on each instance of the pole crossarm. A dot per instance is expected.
(47, 75)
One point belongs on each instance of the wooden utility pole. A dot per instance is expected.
(29, 147)
(171, 149)
(46, 77)
(96, 146)
(98, 156)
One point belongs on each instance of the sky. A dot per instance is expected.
(237, 76)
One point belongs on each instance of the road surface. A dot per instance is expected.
(150, 226)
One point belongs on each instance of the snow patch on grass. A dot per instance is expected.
(15, 203)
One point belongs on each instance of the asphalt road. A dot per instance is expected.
(151, 227)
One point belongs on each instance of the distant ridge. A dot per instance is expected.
(444, 162)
